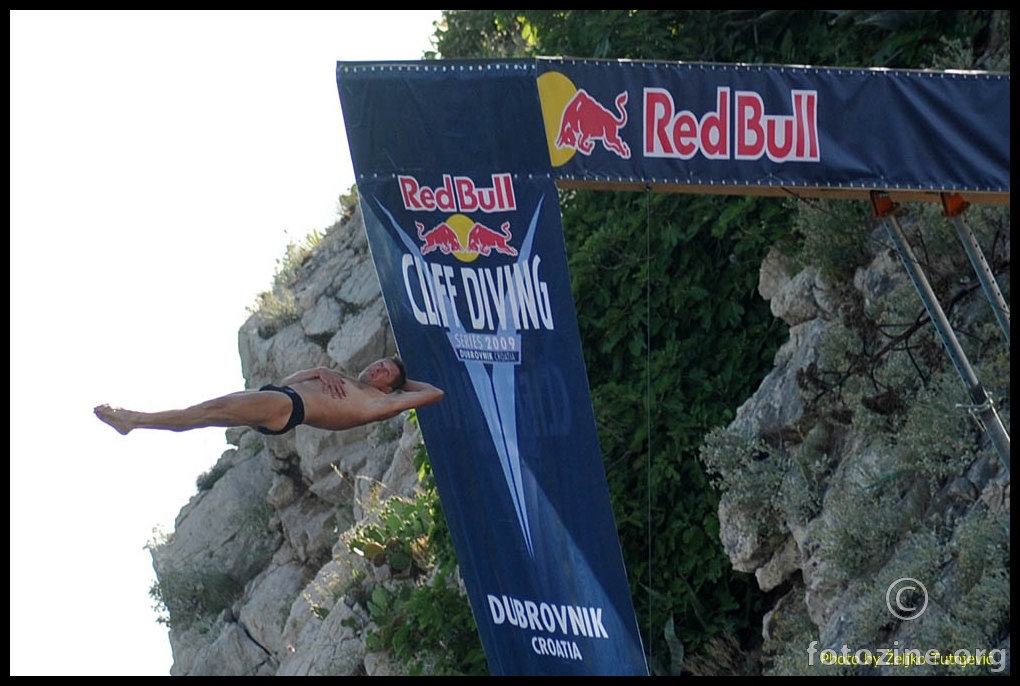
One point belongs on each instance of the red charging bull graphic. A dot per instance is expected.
(585, 120)
(442, 238)
(483, 240)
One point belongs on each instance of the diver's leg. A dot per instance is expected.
(245, 408)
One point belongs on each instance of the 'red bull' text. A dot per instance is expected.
(738, 129)
(458, 194)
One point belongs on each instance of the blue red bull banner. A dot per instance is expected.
(816, 132)
(458, 166)
(464, 226)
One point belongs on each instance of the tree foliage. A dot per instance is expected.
(674, 334)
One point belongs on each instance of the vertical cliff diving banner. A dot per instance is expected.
(463, 221)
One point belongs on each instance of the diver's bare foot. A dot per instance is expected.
(115, 417)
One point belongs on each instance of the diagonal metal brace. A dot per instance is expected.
(953, 207)
(983, 406)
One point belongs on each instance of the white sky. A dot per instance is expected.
(160, 164)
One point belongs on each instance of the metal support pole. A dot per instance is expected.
(953, 207)
(982, 405)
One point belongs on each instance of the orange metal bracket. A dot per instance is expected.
(882, 205)
(953, 204)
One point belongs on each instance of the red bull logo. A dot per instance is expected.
(465, 239)
(458, 194)
(585, 120)
(782, 138)
(740, 127)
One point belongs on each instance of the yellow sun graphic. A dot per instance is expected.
(461, 225)
(554, 91)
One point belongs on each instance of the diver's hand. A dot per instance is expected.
(333, 383)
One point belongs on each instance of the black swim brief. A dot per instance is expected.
(297, 415)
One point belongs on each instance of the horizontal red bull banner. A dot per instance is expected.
(458, 166)
(748, 129)
(815, 132)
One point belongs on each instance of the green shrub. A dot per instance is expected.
(277, 305)
(399, 539)
(184, 599)
(750, 472)
(834, 235)
(208, 479)
(424, 620)
(277, 308)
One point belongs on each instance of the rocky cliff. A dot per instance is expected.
(876, 511)
(825, 509)
(253, 575)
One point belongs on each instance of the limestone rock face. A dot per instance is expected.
(848, 516)
(254, 573)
